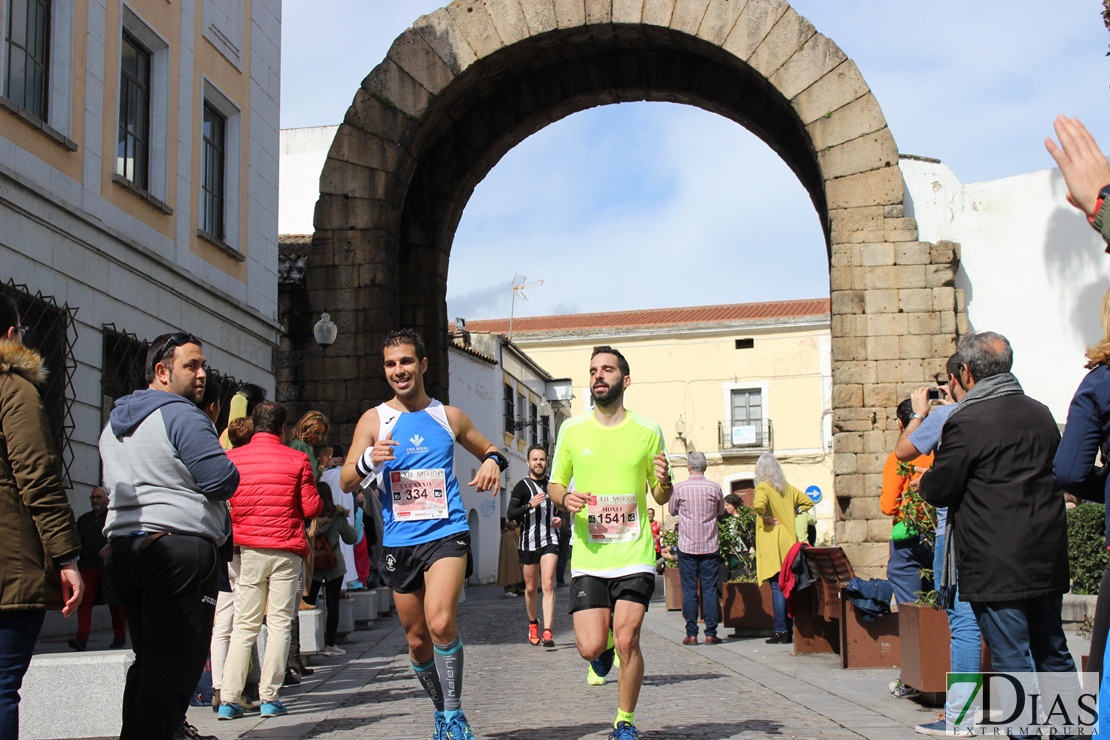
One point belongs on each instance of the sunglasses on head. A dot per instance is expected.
(174, 340)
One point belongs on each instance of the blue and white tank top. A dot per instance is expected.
(418, 490)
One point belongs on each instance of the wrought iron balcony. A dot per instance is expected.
(758, 437)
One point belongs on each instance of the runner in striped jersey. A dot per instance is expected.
(539, 523)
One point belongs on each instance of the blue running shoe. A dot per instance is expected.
(603, 663)
(272, 709)
(230, 711)
(624, 731)
(440, 732)
(459, 728)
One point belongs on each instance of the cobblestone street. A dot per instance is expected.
(513, 691)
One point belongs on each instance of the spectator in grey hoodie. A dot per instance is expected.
(168, 478)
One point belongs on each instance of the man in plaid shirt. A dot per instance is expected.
(697, 503)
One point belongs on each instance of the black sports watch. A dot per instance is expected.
(497, 457)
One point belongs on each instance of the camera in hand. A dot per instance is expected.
(935, 394)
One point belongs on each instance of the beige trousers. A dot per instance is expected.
(268, 585)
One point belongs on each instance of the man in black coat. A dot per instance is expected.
(993, 469)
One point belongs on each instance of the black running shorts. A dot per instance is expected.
(532, 557)
(402, 568)
(591, 592)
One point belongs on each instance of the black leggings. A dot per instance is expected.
(331, 600)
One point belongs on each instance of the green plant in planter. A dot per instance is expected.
(915, 514)
(1086, 546)
(736, 535)
(927, 598)
(668, 538)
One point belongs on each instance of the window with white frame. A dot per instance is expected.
(219, 170)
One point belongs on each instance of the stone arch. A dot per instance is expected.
(468, 82)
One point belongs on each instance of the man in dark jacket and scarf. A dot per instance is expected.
(993, 469)
(39, 545)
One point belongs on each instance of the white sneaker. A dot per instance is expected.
(332, 650)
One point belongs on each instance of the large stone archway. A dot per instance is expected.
(470, 81)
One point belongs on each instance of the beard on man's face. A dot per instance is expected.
(607, 396)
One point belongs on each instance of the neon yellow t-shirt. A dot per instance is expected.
(615, 464)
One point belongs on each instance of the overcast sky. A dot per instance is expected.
(650, 205)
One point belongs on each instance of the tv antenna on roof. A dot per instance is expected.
(520, 284)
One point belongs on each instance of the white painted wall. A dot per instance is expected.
(1031, 268)
(473, 384)
(303, 153)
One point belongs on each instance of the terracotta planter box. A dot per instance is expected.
(747, 607)
(672, 589)
(925, 638)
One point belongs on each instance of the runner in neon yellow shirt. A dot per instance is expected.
(615, 457)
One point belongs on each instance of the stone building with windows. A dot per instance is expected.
(138, 194)
(731, 381)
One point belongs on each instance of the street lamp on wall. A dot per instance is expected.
(542, 410)
(680, 432)
(324, 332)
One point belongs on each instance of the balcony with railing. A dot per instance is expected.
(746, 437)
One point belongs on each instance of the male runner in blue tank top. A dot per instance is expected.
(408, 444)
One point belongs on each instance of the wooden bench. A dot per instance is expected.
(826, 622)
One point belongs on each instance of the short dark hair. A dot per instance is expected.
(213, 390)
(986, 354)
(269, 416)
(905, 412)
(953, 366)
(605, 349)
(255, 394)
(539, 447)
(162, 348)
(9, 313)
(405, 336)
(734, 500)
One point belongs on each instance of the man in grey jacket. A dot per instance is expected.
(168, 480)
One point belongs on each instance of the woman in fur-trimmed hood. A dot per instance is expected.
(39, 544)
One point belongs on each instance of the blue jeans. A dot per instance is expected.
(965, 648)
(1018, 630)
(778, 601)
(694, 569)
(19, 630)
(907, 559)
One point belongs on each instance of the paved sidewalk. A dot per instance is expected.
(741, 689)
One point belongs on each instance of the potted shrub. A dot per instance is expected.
(672, 584)
(922, 625)
(746, 605)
